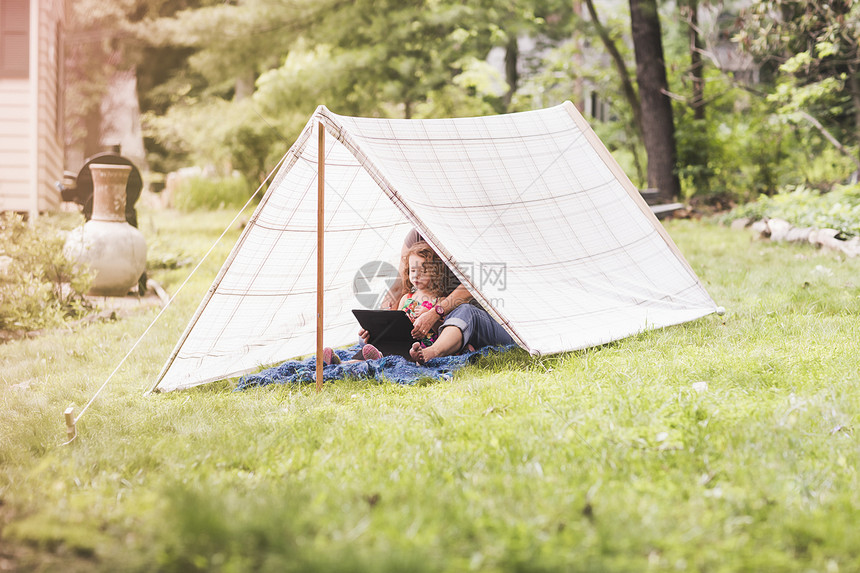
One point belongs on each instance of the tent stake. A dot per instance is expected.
(320, 250)
(71, 431)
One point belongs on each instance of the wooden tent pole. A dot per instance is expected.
(320, 250)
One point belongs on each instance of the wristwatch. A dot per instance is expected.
(439, 310)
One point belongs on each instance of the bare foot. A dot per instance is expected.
(421, 355)
(415, 353)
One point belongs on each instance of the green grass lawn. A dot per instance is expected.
(726, 444)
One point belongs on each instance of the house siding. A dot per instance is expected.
(25, 120)
(49, 129)
(15, 168)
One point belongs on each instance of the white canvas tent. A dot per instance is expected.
(529, 210)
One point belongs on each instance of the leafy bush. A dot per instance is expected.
(212, 193)
(241, 139)
(804, 207)
(39, 288)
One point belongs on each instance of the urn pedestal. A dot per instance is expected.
(114, 250)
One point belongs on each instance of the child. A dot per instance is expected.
(424, 278)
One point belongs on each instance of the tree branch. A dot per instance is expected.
(829, 137)
(620, 65)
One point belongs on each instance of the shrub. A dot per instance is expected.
(39, 288)
(804, 207)
(212, 193)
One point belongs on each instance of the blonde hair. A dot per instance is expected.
(433, 265)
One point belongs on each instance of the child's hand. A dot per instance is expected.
(424, 323)
(364, 335)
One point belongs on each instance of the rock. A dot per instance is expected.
(852, 247)
(827, 239)
(741, 223)
(761, 228)
(779, 229)
(798, 234)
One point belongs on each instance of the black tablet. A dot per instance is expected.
(390, 330)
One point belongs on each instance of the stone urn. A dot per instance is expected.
(113, 250)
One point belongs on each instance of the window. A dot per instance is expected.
(14, 38)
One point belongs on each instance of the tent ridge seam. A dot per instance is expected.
(365, 160)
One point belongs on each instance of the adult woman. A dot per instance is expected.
(462, 325)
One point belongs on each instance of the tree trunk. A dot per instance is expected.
(697, 69)
(512, 56)
(620, 66)
(658, 128)
(244, 86)
(93, 135)
(854, 89)
(578, 95)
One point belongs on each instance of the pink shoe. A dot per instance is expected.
(330, 357)
(370, 352)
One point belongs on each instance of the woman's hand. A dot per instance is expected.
(424, 322)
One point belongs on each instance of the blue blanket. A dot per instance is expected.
(387, 369)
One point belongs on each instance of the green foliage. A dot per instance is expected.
(723, 154)
(804, 207)
(815, 46)
(39, 287)
(825, 95)
(241, 139)
(201, 192)
(262, 67)
(475, 91)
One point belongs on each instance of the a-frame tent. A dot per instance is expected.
(529, 210)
